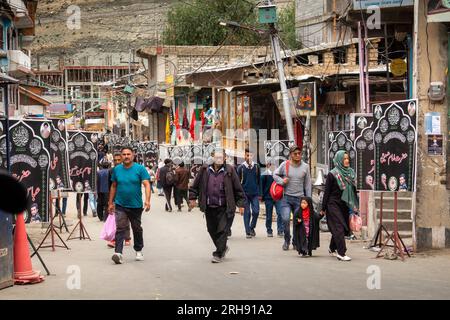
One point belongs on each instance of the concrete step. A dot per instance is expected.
(403, 225)
(389, 213)
(388, 204)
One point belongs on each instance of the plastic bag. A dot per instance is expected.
(355, 222)
(109, 228)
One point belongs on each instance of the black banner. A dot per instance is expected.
(30, 162)
(340, 140)
(277, 151)
(59, 163)
(365, 164)
(83, 160)
(395, 145)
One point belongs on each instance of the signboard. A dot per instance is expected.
(149, 150)
(59, 156)
(365, 165)
(395, 139)
(364, 4)
(435, 145)
(30, 162)
(306, 99)
(340, 140)
(83, 155)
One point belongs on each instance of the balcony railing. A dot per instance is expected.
(19, 62)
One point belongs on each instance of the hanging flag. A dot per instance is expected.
(177, 124)
(168, 129)
(185, 125)
(202, 116)
(193, 125)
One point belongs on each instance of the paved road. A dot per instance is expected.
(177, 266)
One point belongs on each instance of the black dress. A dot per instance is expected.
(305, 245)
(337, 213)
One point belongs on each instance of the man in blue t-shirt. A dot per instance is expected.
(126, 197)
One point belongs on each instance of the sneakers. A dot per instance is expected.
(117, 258)
(280, 234)
(216, 259)
(248, 236)
(270, 234)
(286, 246)
(343, 258)
(139, 256)
(332, 253)
(179, 210)
(111, 244)
(253, 233)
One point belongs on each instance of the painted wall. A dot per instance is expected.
(433, 199)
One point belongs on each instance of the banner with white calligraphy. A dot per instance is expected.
(83, 160)
(395, 138)
(365, 165)
(30, 162)
(59, 156)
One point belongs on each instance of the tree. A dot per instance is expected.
(196, 22)
(286, 26)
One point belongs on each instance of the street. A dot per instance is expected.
(177, 266)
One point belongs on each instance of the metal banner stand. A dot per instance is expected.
(62, 219)
(83, 232)
(51, 230)
(395, 236)
(378, 242)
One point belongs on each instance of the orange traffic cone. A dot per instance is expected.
(23, 272)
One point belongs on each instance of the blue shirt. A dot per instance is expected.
(129, 181)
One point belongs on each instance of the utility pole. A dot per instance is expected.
(275, 43)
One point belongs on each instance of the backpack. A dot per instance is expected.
(170, 178)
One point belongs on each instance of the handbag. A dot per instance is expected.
(277, 190)
(355, 222)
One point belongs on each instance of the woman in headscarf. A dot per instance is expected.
(339, 198)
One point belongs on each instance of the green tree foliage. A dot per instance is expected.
(286, 26)
(196, 22)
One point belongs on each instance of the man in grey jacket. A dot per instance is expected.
(297, 183)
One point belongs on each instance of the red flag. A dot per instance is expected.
(177, 124)
(185, 125)
(193, 125)
(202, 115)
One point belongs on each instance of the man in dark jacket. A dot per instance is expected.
(249, 176)
(219, 192)
(103, 184)
(166, 184)
(181, 186)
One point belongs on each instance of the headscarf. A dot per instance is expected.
(345, 177)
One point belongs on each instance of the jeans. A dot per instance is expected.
(269, 213)
(92, 203)
(123, 215)
(251, 212)
(168, 195)
(288, 204)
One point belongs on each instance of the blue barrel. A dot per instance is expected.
(6, 250)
